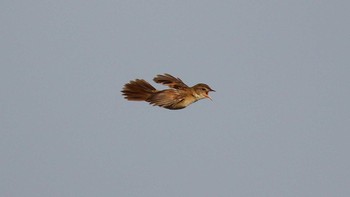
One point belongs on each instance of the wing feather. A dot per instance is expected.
(169, 99)
(170, 81)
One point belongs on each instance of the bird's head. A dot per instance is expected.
(202, 91)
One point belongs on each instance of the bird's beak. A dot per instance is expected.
(208, 97)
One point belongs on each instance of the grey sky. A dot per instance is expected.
(278, 124)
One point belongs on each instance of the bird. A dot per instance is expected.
(178, 96)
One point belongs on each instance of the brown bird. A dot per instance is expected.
(178, 97)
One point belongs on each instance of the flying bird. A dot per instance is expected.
(178, 96)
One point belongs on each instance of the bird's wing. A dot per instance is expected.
(169, 99)
(170, 81)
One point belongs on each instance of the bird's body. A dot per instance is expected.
(178, 97)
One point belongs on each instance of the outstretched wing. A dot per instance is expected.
(170, 99)
(170, 81)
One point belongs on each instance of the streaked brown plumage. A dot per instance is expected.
(178, 97)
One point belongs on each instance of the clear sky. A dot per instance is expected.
(278, 125)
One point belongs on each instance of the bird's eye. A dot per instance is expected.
(203, 89)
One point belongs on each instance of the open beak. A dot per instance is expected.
(211, 90)
(208, 97)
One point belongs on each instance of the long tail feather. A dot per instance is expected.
(138, 90)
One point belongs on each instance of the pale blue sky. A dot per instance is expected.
(278, 125)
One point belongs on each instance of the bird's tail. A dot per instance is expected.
(138, 90)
